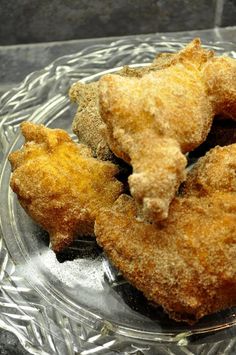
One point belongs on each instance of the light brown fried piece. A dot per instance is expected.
(219, 74)
(186, 263)
(146, 121)
(220, 77)
(152, 121)
(87, 123)
(215, 172)
(59, 184)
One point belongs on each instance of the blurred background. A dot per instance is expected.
(33, 33)
(33, 21)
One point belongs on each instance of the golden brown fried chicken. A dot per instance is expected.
(186, 263)
(152, 121)
(87, 123)
(59, 184)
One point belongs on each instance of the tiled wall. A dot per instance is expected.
(29, 21)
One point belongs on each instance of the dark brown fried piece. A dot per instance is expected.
(186, 263)
(59, 184)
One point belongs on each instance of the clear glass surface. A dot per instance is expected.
(77, 301)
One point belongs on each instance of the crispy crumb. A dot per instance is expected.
(186, 263)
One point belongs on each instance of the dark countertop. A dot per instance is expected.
(17, 61)
(48, 21)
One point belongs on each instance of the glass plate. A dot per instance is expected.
(77, 302)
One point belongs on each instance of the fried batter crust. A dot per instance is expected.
(186, 263)
(59, 184)
(87, 123)
(152, 121)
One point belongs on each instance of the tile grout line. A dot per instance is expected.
(218, 13)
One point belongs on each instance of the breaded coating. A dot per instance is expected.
(59, 184)
(87, 123)
(215, 172)
(187, 263)
(220, 77)
(152, 121)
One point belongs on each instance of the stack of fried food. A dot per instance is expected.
(173, 233)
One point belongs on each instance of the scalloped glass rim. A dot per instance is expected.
(10, 139)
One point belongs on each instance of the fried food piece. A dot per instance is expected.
(215, 172)
(87, 123)
(154, 120)
(220, 77)
(59, 184)
(186, 263)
